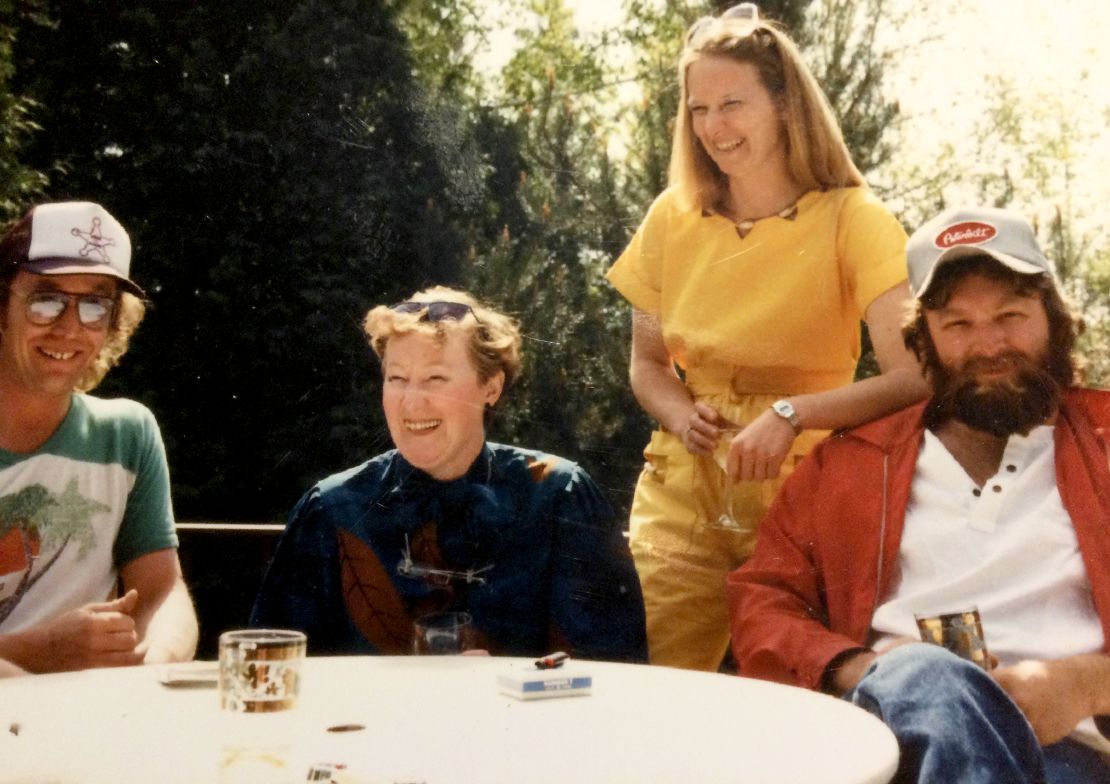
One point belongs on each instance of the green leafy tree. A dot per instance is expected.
(284, 165)
(564, 219)
(20, 184)
(551, 221)
(444, 37)
(1022, 154)
(838, 39)
(279, 174)
(561, 207)
(655, 42)
(840, 42)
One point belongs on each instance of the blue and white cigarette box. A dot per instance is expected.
(528, 682)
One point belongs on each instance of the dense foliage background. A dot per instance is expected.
(283, 166)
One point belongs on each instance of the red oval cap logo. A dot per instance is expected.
(966, 233)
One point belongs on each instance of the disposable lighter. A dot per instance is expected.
(552, 676)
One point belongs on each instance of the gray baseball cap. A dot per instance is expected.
(974, 231)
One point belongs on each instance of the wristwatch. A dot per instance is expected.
(785, 410)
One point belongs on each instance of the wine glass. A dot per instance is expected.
(726, 520)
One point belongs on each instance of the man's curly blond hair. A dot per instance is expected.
(129, 314)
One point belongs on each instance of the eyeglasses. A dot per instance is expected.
(739, 11)
(436, 311)
(46, 307)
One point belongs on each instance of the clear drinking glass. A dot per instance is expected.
(443, 633)
(259, 684)
(260, 669)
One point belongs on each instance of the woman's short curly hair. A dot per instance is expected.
(494, 338)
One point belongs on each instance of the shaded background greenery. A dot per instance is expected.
(283, 166)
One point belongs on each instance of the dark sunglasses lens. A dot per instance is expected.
(434, 311)
(408, 307)
(94, 311)
(449, 311)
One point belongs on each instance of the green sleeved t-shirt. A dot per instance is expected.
(90, 500)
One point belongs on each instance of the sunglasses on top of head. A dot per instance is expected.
(435, 311)
(43, 308)
(738, 11)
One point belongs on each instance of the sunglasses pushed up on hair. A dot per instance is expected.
(435, 311)
(748, 11)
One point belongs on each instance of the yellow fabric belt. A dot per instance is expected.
(779, 382)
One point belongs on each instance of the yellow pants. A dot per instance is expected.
(684, 540)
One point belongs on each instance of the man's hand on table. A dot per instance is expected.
(97, 635)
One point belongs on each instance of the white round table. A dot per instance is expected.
(439, 720)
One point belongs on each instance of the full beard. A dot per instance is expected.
(1003, 407)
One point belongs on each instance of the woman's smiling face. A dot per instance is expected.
(434, 401)
(734, 117)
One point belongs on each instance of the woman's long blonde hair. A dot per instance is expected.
(817, 158)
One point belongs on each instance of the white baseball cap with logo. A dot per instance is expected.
(961, 232)
(78, 237)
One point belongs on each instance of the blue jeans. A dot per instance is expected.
(954, 723)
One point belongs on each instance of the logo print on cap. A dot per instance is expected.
(95, 242)
(966, 233)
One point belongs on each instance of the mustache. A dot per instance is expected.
(1020, 367)
(1011, 360)
(1015, 403)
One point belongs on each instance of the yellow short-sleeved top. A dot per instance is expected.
(782, 305)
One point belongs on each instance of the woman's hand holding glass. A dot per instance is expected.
(757, 452)
(703, 429)
(707, 433)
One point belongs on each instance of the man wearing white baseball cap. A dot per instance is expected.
(980, 231)
(84, 486)
(991, 496)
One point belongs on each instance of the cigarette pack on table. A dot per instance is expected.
(528, 682)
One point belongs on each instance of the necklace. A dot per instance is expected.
(744, 227)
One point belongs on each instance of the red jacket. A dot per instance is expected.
(828, 547)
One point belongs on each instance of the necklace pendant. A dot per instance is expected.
(744, 227)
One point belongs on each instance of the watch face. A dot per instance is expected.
(785, 410)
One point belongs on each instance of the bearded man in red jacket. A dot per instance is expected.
(993, 494)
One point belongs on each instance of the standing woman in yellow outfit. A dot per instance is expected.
(748, 278)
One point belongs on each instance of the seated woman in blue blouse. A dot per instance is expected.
(523, 541)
